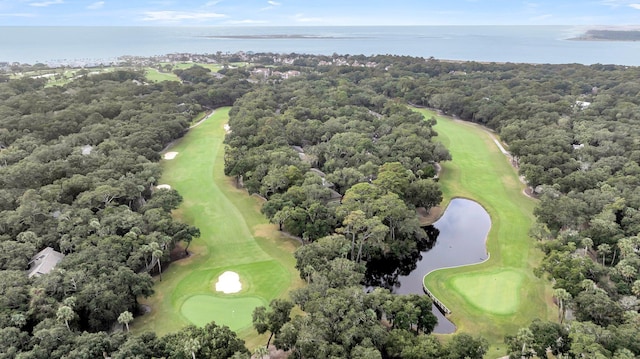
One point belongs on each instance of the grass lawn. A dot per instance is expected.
(198, 117)
(502, 294)
(156, 76)
(186, 65)
(235, 237)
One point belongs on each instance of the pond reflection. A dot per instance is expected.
(457, 238)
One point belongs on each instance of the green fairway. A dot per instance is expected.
(235, 237)
(502, 294)
(186, 65)
(156, 76)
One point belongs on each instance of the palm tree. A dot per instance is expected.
(626, 246)
(525, 336)
(604, 249)
(145, 249)
(261, 352)
(156, 255)
(125, 318)
(65, 314)
(635, 289)
(627, 271)
(562, 295)
(191, 346)
(587, 243)
(588, 285)
(18, 319)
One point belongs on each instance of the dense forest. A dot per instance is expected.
(343, 163)
(79, 166)
(572, 131)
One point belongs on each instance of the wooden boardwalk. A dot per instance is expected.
(443, 308)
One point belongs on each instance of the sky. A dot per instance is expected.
(316, 12)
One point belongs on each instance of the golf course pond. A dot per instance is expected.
(463, 229)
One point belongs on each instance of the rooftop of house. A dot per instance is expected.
(44, 262)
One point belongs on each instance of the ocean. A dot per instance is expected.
(530, 44)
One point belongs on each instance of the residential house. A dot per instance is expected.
(44, 262)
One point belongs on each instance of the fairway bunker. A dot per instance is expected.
(170, 155)
(228, 282)
(163, 186)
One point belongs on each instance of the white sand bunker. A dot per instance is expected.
(170, 155)
(227, 128)
(228, 282)
(163, 186)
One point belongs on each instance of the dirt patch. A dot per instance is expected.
(144, 309)
(282, 239)
(428, 218)
(265, 230)
(528, 191)
(178, 253)
(277, 353)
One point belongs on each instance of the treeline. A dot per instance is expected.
(343, 321)
(572, 130)
(574, 133)
(345, 169)
(78, 170)
(329, 155)
(343, 164)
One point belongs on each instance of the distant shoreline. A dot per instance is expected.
(500, 44)
(280, 36)
(609, 35)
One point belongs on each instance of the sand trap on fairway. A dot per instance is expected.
(163, 186)
(228, 282)
(170, 155)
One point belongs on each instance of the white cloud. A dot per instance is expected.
(304, 19)
(541, 17)
(617, 3)
(22, 14)
(212, 3)
(96, 5)
(272, 5)
(245, 22)
(46, 3)
(174, 16)
(162, 2)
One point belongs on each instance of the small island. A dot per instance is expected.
(609, 35)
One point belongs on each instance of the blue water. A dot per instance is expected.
(463, 228)
(533, 44)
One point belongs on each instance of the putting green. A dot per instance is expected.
(235, 237)
(481, 172)
(496, 292)
(232, 312)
